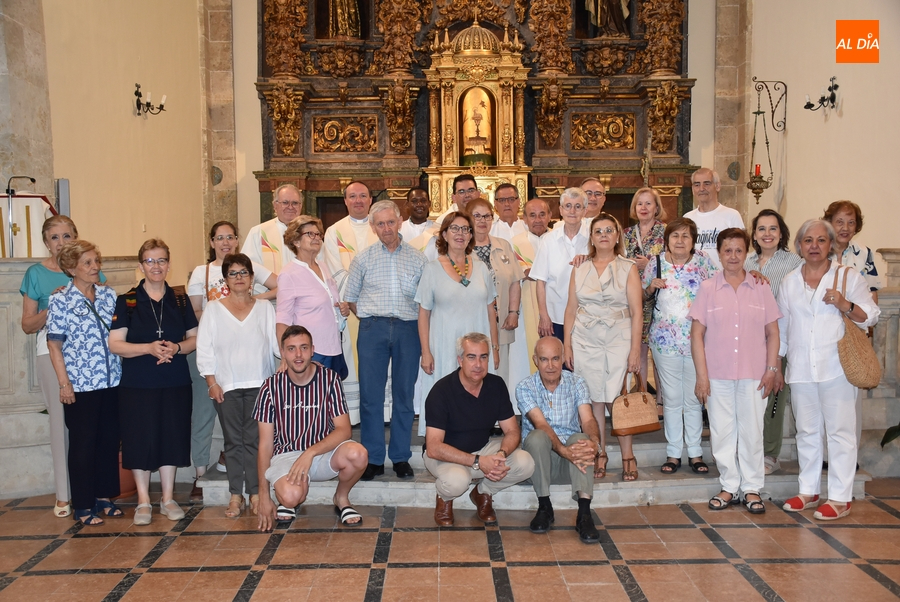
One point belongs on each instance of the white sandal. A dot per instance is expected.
(62, 511)
(141, 518)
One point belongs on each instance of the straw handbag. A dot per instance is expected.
(858, 359)
(634, 413)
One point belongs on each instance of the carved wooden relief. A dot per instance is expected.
(450, 11)
(550, 111)
(340, 60)
(662, 20)
(345, 134)
(399, 116)
(661, 116)
(398, 21)
(595, 131)
(285, 20)
(550, 22)
(606, 60)
(284, 109)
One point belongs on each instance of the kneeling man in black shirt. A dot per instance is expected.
(462, 408)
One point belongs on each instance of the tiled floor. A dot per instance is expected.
(671, 553)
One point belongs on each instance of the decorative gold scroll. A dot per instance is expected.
(398, 21)
(284, 110)
(661, 116)
(345, 134)
(284, 21)
(550, 111)
(398, 113)
(550, 22)
(595, 131)
(662, 21)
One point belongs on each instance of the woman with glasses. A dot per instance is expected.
(235, 353)
(87, 373)
(308, 295)
(456, 296)
(206, 284)
(153, 330)
(603, 322)
(498, 256)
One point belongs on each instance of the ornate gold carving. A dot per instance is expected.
(435, 196)
(284, 21)
(606, 60)
(662, 21)
(448, 93)
(551, 21)
(476, 71)
(343, 18)
(399, 116)
(482, 171)
(594, 131)
(505, 95)
(345, 134)
(661, 115)
(467, 10)
(340, 60)
(521, 5)
(448, 141)
(604, 89)
(434, 140)
(343, 93)
(284, 110)
(506, 144)
(398, 21)
(550, 110)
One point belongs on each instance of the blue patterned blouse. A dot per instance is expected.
(84, 329)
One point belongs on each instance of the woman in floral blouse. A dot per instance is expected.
(643, 242)
(683, 269)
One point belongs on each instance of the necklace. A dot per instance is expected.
(159, 320)
(464, 281)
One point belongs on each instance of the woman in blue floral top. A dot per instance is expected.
(78, 323)
(643, 242)
(683, 269)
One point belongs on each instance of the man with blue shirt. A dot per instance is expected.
(556, 408)
(381, 290)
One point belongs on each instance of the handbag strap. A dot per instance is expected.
(637, 375)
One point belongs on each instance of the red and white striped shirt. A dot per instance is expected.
(302, 416)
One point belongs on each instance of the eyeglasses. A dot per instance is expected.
(313, 234)
(149, 262)
(291, 204)
(594, 193)
(509, 199)
(242, 274)
(606, 231)
(459, 229)
(467, 191)
(478, 217)
(222, 237)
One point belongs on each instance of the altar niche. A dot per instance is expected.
(477, 120)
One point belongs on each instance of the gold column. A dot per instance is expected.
(520, 123)
(434, 134)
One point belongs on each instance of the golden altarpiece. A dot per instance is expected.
(540, 94)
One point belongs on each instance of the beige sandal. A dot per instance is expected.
(236, 506)
(254, 504)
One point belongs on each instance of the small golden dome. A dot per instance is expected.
(476, 40)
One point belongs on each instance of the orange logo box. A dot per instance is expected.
(856, 41)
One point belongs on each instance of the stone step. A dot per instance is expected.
(651, 488)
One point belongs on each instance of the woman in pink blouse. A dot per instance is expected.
(734, 342)
(307, 294)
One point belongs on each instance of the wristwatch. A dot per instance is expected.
(475, 466)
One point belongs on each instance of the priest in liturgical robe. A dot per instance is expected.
(525, 246)
(265, 242)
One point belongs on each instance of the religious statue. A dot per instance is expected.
(609, 16)
(343, 19)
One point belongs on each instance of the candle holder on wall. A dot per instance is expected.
(757, 182)
(144, 107)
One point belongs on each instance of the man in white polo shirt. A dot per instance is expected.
(710, 216)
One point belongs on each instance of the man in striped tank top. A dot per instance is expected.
(304, 435)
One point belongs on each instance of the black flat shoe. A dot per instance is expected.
(372, 471)
(404, 470)
(587, 532)
(541, 521)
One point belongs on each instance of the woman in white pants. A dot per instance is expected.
(812, 305)
(734, 342)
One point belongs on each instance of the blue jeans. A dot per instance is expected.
(380, 341)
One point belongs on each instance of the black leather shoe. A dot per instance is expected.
(372, 471)
(587, 532)
(404, 470)
(541, 521)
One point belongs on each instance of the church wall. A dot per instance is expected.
(151, 167)
(248, 120)
(701, 42)
(849, 154)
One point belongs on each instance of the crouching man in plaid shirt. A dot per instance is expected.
(304, 435)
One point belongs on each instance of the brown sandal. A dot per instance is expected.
(236, 506)
(629, 475)
(600, 471)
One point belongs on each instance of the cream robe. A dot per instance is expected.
(525, 246)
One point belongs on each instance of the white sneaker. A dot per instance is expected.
(220, 464)
(171, 510)
(772, 464)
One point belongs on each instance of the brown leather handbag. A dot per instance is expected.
(634, 413)
(858, 359)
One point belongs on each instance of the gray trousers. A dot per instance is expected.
(241, 440)
(203, 416)
(59, 434)
(551, 468)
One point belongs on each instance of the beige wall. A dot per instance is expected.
(248, 125)
(701, 38)
(850, 154)
(131, 178)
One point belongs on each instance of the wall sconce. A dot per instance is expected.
(827, 100)
(147, 107)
